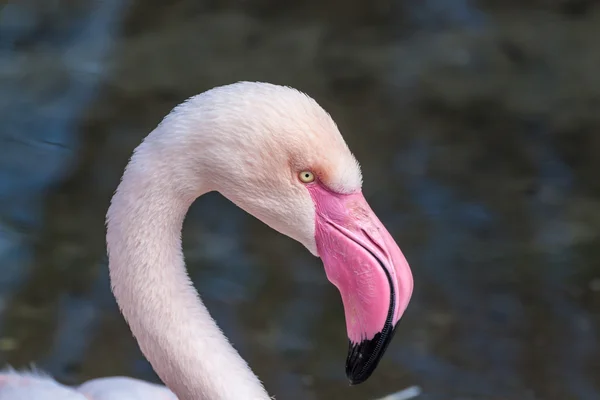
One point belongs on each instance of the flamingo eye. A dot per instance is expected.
(306, 176)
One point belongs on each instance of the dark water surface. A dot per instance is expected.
(477, 127)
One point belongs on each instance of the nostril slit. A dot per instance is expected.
(374, 243)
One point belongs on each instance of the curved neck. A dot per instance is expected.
(173, 328)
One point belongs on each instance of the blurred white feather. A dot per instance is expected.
(406, 394)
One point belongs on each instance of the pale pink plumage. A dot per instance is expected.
(248, 141)
(37, 386)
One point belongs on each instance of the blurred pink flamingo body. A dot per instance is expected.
(277, 154)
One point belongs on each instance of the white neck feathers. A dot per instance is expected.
(150, 282)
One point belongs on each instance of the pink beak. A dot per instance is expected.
(364, 262)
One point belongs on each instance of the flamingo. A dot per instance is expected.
(275, 153)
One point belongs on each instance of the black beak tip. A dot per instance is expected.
(364, 357)
(354, 375)
(352, 383)
(357, 381)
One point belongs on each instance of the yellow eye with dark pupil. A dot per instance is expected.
(306, 176)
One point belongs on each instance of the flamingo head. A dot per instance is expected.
(277, 154)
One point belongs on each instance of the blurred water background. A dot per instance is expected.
(476, 123)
